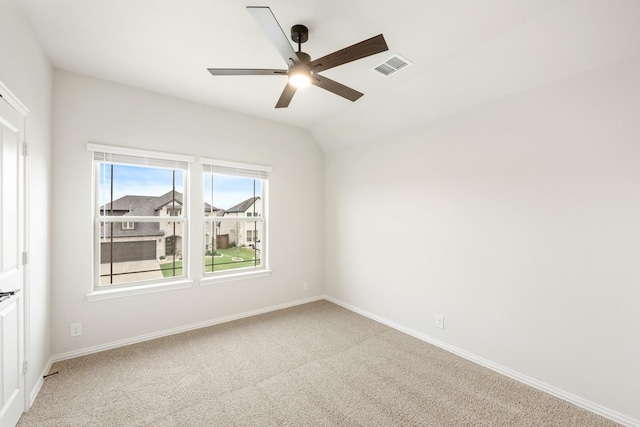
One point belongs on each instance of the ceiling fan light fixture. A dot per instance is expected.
(300, 77)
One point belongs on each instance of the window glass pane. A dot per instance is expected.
(234, 222)
(148, 252)
(223, 253)
(232, 194)
(140, 191)
(142, 250)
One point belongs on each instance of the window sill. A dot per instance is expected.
(137, 290)
(212, 280)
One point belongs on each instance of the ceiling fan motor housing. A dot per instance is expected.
(304, 57)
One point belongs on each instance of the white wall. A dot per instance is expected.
(25, 70)
(520, 223)
(89, 110)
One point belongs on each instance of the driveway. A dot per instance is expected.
(136, 270)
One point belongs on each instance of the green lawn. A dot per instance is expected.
(224, 262)
(167, 269)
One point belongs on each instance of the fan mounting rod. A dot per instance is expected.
(300, 34)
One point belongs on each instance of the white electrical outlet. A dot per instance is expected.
(439, 321)
(305, 286)
(76, 329)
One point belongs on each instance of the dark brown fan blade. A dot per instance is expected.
(264, 17)
(335, 87)
(352, 53)
(286, 96)
(245, 72)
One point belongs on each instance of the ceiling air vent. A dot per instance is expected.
(391, 65)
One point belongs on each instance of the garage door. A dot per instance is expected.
(127, 251)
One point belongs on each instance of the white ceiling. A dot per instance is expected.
(465, 52)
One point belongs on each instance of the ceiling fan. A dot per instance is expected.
(301, 70)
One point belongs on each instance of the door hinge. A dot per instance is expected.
(25, 366)
(24, 149)
(25, 258)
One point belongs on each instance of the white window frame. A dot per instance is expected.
(122, 155)
(128, 225)
(245, 170)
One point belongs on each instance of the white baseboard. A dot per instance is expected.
(167, 332)
(554, 391)
(38, 385)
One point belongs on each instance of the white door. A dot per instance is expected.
(12, 381)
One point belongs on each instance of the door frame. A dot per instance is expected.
(22, 109)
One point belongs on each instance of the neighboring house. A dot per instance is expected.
(134, 241)
(243, 233)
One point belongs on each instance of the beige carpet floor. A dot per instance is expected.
(312, 365)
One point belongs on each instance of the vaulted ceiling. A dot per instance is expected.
(464, 52)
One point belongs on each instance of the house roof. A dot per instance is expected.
(148, 205)
(167, 199)
(128, 203)
(141, 229)
(242, 206)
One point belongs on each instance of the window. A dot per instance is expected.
(235, 202)
(133, 188)
(142, 221)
